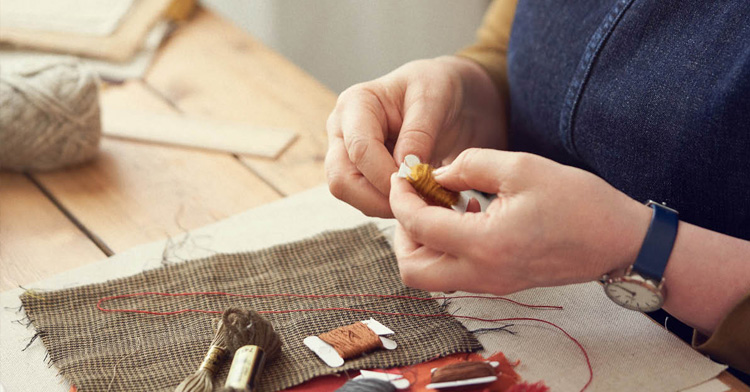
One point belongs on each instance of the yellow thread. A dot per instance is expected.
(423, 181)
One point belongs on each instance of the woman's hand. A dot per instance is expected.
(550, 225)
(431, 108)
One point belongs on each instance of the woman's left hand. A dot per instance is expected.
(550, 225)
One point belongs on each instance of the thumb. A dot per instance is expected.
(484, 170)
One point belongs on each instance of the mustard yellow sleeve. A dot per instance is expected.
(730, 342)
(491, 47)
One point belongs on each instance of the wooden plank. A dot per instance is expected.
(32, 233)
(732, 382)
(136, 192)
(118, 46)
(195, 132)
(211, 68)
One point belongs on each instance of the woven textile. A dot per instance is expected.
(154, 353)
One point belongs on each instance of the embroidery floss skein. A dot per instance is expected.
(235, 329)
(50, 115)
(249, 360)
(462, 371)
(420, 177)
(367, 385)
(352, 340)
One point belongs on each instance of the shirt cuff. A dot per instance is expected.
(730, 342)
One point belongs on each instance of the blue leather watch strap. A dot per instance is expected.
(657, 246)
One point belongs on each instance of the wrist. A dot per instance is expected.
(627, 242)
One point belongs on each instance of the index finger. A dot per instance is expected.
(364, 138)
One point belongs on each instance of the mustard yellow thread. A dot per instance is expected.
(423, 181)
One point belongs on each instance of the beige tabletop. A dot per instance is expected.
(136, 193)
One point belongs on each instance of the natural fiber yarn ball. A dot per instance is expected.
(49, 115)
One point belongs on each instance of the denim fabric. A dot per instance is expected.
(651, 95)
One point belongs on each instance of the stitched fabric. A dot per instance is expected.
(154, 353)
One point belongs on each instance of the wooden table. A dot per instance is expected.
(136, 192)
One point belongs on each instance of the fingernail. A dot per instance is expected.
(439, 171)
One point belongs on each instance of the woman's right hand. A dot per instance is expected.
(430, 108)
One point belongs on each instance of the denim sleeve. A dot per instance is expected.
(730, 343)
(491, 47)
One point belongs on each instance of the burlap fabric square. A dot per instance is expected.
(105, 351)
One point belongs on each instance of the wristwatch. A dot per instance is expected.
(641, 287)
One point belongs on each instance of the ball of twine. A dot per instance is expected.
(50, 115)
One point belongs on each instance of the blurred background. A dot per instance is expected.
(344, 42)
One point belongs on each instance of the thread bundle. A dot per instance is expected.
(463, 371)
(50, 115)
(424, 183)
(352, 340)
(235, 329)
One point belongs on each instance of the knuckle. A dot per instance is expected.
(466, 159)
(355, 93)
(408, 276)
(414, 228)
(521, 162)
(337, 186)
(332, 122)
(357, 148)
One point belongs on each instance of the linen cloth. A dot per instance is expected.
(155, 353)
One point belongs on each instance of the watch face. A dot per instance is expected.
(634, 295)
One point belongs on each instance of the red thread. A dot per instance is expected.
(220, 293)
(140, 311)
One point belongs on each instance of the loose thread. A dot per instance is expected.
(114, 369)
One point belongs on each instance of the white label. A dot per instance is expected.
(388, 344)
(324, 351)
(404, 171)
(397, 380)
(378, 328)
(411, 160)
(460, 383)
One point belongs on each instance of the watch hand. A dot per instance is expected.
(632, 293)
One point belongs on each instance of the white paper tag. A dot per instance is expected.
(411, 160)
(324, 351)
(397, 380)
(405, 169)
(388, 344)
(461, 383)
(377, 327)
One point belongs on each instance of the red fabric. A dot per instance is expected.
(419, 376)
